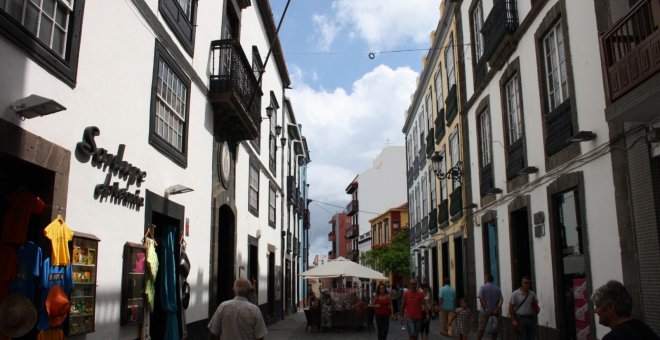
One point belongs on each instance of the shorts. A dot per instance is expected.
(414, 326)
(483, 320)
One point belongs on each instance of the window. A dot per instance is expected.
(455, 155)
(253, 190)
(555, 67)
(491, 261)
(180, 16)
(513, 110)
(169, 108)
(443, 169)
(449, 62)
(272, 139)
(418, 212)
(415, 140)
(409, 152)
(411, 203)
(48, 31)
(438, 89)
(387, 232)
(484, 138)
(271, 205)
(477, 22)
(432, 185)
(429, 111)
(425, 196)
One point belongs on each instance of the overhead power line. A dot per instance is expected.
(343, 208)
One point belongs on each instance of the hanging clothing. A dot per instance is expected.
(51, 334)
(27, 270)
(17, 218)
(168, 287)
(51, 276)
(152, 271)
(60, 235)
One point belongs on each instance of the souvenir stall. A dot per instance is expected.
(341, 307)
(47, 272)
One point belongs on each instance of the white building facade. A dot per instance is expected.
(172, 97)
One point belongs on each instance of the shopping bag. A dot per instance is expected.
(491, 325)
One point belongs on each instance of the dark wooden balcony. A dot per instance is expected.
(630, 50)
(430, 143)
(353, 255)
(332, 237)
(425, 227)
(451, 103)
(306, 223)
(332, 255)
(456, 203)
(485, 179)
(352, 208)
(234, 92)
(558, 128)
(443, 214)
(440, 126)
(353, 231)
(498, 31)
(515, 159)
(433, 221)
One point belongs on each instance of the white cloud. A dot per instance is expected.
(386, 23)
(326, 30)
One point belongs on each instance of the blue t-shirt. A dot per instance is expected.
(27, 270)
(51, 276)
(491, 294)
(448, 296)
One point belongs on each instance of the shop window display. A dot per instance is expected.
(133, 281)
(84, 258)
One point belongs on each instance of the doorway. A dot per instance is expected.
(226, 254)
(571, 269)
(446, 273)
(253, 264)
(458, 263)
(491, 255)
(521, 250)
(436, 270)
(271, 285)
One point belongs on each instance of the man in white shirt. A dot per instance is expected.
(238, 319)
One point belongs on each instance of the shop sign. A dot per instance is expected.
(115, 165)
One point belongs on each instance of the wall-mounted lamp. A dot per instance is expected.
(528, 170)
(582, 136)
(177, 189)
(278, 130)
(269, 113)
(494, 191)
(454, 173)
(283, 141)
(35, 106)
(471, 206)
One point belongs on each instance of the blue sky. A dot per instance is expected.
(350, 106)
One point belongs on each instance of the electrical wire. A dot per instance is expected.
(340, 207)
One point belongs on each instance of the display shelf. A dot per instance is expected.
(84, 256)
(133, 281)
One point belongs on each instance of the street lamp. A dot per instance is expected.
(454, 172)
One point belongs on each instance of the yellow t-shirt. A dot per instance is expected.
(60, 235)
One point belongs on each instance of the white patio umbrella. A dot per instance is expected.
(343, 267)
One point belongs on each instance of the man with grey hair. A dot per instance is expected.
(613, 305)
(238, 319)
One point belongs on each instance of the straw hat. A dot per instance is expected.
(57, 305)
(17, 316)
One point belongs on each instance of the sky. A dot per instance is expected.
(350, 105)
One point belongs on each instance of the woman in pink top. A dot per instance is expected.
(383, 305)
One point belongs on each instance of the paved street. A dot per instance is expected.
(293, 327)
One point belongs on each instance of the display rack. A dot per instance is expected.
(133, 280)
(84, 259)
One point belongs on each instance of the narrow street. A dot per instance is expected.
(293, 327)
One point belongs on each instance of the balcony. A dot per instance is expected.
(629, 50)
(353, 231)
(332, 237)
(353, 255)
(558, 127)
(451, 102)
(352, 208)
(443, 214)
(418, 232)
(433, 221)
(234, 92)
(498, 31)
(332, 255)
(306, 219)
(456, 203)
(440, 125)
(288, 242)
(411, 236)
(425, 227)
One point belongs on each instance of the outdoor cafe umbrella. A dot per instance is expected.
(343, 267)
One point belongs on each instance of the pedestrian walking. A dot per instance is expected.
(447, 298)
(428, 313)
(383, 310)
(490, 300)
(412, 306)
(238, 319)
(395, 296)
(613, 305)
(463, 318)
(523, 308)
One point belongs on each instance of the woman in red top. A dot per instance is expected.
(383, 310)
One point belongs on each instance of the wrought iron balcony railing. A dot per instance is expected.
(451, 102)
(353, 231)
(352, 208)
(443, 214)
(234, 91)
(501, 22)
